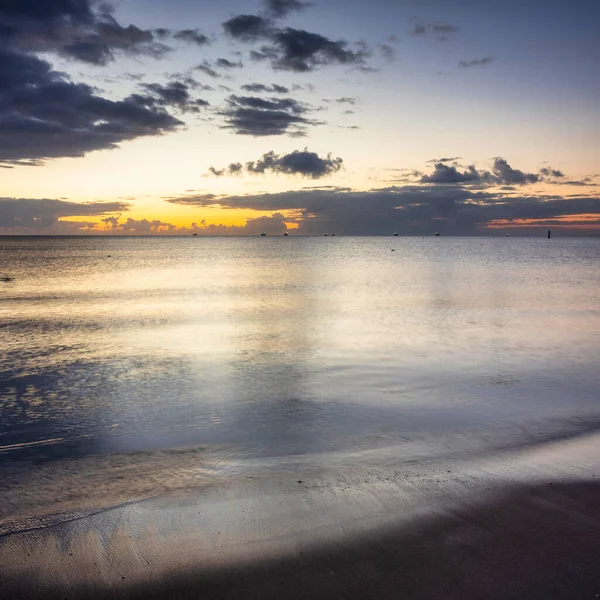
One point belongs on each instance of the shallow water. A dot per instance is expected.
(259, 350)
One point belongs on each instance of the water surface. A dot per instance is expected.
(271, 349)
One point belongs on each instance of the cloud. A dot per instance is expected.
(347, 100)
(282, 8)
(247, 28)
(387, 52)
(207, 68)
(252, 115)
(43, 115)
(549, 172)
(298, 162)
(301, 51)
(409, 209)
(304, 163)
(450, 174)
(192, 36)
(233, 169)
(437, 29)
(290, 49)
(270, 89)
(41, 213)
(477, 62)
(507, 175)
(77, 29)
(175, 94)
(444, 159)
(223, 63)
(501, 174)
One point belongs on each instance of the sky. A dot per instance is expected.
(464, 117)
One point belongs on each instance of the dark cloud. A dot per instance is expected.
(207, 69)
(232, 169)
(223, 63)
(270, 89)
(43, 115)
(251, 115)
(40, 213)
(579, 183)
(501, 174)
(549, 172)
(347, 100)
(477, 62)
(282, 8)
(507, 175)
(298, 162)
(387, 52)
(248, 27)
(450, 174)
(444, 159)
(304, 163)
(190, 82)
(407, 209)
(175, 94)
(302, 51)
(192, 36)
(436, 29)
(77, 29)
(291, 49)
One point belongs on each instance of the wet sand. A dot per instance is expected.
(523, 525)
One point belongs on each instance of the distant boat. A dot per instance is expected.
(436, 234)
(333, 234)
(395, 235)
(263, 234)
(508, 235)
(285, 234)
(325, 234)
(194, 234)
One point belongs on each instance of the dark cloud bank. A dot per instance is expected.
(448, 199)
(409, 210)
(44, 115)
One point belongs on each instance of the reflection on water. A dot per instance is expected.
(288, 346)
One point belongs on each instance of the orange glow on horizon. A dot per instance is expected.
(570, 222)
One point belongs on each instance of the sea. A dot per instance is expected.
(134, 366)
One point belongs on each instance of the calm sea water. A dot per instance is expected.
(288, 347)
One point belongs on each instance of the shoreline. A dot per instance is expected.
(504, 527)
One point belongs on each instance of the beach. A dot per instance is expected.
(525, 525)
